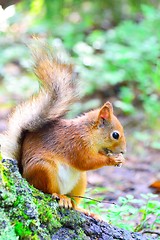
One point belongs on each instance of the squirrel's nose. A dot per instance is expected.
(124, 151)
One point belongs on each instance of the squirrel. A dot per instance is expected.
(54, 153)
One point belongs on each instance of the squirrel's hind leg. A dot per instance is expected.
(79, 190)
(42, 175)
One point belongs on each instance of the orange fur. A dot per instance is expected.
(54, 153)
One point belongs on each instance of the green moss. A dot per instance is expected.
(18, 201)
(81, 234)
(32, 214)
(47, 214)
(3, 174)
(6, 229)
(21, 230)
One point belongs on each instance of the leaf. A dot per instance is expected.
(156, 185)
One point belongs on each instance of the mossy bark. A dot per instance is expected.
(26, 213)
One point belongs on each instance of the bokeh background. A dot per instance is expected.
(115, 47)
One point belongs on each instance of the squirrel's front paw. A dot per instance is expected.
(116, 159)
(119, 160)
(63, 200)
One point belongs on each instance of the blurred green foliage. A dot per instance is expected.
(109, 51)
(129, 213)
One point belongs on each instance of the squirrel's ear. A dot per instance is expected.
(105, 112)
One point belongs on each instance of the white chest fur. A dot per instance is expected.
(67, 178)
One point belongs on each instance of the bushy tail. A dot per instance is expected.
(57, 93)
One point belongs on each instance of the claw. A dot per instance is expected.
(64, 201)
(55, 196)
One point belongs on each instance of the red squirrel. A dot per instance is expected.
(54, 153)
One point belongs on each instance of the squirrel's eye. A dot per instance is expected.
(115, 135)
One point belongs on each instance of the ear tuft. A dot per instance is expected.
(106, 111)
